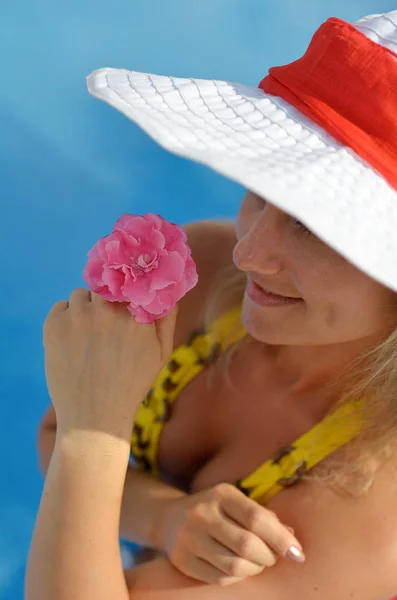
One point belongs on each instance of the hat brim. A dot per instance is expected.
(267, 146)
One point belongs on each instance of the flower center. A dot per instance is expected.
(146, 262)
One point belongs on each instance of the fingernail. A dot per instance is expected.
(293, 553)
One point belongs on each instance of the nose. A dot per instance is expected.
(259, 249)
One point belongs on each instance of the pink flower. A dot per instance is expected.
(146, 262)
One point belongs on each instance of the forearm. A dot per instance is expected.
(75, 551)
(145, 500)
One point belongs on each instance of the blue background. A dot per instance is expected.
(70, 166)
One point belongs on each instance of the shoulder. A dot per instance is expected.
(211, 243)
(342, 534)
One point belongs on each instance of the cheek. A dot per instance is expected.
(374, 304)
(348, 301)
(313, 271)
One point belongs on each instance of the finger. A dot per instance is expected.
(202, 571)
(97, 299)
(291, 529)
(79, 297)
(260, 521)
(114, 305)
(50, 334)
(58, 307)
(230, 563)
(165, 329)
(241, 542)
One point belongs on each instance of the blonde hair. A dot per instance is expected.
(372, 377)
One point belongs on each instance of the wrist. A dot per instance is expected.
(162, 525)
(109, 427)
(92, 450)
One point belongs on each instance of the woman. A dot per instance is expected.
(310, 352)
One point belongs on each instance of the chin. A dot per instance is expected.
(265, 328)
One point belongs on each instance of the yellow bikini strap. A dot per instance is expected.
(292, 463)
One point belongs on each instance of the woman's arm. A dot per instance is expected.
(350, 543)
(75, 551)
(144, 499)
(144, 504)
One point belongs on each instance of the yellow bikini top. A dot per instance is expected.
(287, 467)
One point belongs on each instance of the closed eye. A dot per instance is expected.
(296, 223)
(301, 227)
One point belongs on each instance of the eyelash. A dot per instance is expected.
(297, 224)
(302, 228)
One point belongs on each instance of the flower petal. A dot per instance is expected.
(92, 273)
(142, 229)
(114, 278)
(170, 270)
(176, 238)
(138, 290)
(143, 316)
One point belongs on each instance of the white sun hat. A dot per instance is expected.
(317, 138)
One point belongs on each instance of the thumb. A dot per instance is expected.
(165, 329)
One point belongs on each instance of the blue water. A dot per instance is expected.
(69, 166)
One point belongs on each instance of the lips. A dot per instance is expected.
(262, 297)
(270, 291)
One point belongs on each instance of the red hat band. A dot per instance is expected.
(347, 84)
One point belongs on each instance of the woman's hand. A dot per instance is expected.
(221, 536)
(100, 363)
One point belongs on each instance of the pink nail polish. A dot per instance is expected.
(293, 553)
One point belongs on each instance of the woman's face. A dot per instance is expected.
(332, 301)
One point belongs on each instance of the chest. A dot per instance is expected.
(223, 428)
